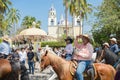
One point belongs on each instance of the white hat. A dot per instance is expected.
(6, 38)
(114, 39)
(106, 44)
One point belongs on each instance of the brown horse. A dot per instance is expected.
(5, 68)
(63, 68)
(11, 70)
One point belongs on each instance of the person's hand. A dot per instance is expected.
(80, 36)
(77, 37)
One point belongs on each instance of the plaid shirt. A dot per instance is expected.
(85, 51)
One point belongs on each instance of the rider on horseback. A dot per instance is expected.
(83, 56)
(5, 46)
(114, 46)
(69, 48)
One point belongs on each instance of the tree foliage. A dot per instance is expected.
(28, 22)
(107, 21)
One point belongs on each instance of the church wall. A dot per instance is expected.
(52, 31)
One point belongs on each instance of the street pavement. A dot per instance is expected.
(44, 75)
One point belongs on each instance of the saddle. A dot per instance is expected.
(90, 70)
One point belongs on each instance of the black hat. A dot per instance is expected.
(70, 39)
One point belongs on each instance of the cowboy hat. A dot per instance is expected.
(69, 38)
(6, 38)
(114, 39)
(106, 44)
(86, 36)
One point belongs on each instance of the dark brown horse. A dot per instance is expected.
(10, 70)
(64, 70)
(109, 56)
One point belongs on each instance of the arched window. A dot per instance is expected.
(78, 23)
(52, 22)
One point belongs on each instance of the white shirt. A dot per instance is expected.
(23, 56)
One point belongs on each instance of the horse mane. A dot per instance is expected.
(57, 61)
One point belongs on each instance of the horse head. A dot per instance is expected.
(100, 55)
(44, 60)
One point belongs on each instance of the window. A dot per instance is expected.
(52, 22)
(65, 31)
(78, 23)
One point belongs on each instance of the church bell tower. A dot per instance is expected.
(52, 19)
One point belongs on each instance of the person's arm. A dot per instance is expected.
(32, 55)
(76, 44)
(116, 49)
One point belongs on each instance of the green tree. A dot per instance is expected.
(38, 24)
(77, 8)
(66, 4)
(4, 8)
(13, 17)
(4, 5)
(28, 22)
(107, 21)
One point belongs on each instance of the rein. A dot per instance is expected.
(100, 58)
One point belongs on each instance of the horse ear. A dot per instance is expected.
(46, 52)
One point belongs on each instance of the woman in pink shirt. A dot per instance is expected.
(83, 55)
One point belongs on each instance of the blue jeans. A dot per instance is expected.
(81, 68)
(23, 62)
(31, 66)
(68, 56)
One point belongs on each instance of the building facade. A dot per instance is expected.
(58, 28)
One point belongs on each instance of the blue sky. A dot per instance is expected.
(40, 9)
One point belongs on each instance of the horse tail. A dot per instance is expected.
(24, 73)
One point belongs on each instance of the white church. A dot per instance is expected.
(57, 28)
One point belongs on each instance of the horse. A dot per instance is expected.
(109, 56)
(65, 70)
(5, 68)
(10, 70)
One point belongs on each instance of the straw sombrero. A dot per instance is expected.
(86, 36)
(6, 38)
(106, 44)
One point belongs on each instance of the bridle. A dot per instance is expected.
(102, 53)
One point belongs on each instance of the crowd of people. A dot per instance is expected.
(80, 52)
(21, 54)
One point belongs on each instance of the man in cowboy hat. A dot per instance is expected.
(5, 46)
(114, 47)
(69, 48)
(83, 56)
(106, 45)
